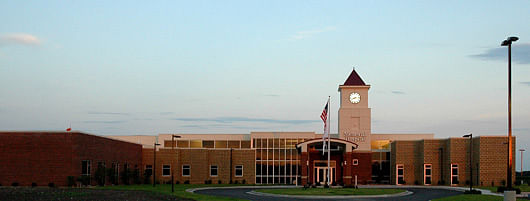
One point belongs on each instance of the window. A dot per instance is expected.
(400, 174)
(213, 170)
(149, 169)
(355, 162)
(85, 167)
(239, 170)
(186, 170)
(166, 170)
(427, 174)
(454, 174)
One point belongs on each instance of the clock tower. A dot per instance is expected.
(354, 113)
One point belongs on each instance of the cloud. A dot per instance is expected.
(245, 119)
(520, 54)
(272, 95)
(105, 122)
(398, 92)
(19, 39)
(166, 113)
(310, 33)
(110, 113)
(525, 83)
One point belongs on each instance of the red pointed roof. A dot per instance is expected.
(354, 80)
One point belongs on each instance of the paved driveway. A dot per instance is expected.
(419, 194)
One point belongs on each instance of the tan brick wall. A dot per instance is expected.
(431, 155)
(404, 152)
(492, 155)
(458, 153)
(200, 161)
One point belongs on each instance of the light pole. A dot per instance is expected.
(470, 136)
(154, 164)
(522, 150)
(172, 169)
(508, 42)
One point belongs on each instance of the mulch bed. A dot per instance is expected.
(84, 194)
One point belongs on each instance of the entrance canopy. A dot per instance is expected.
(349, 146)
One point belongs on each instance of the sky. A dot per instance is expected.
(149, 67)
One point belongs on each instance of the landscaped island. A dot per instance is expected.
(331, 191)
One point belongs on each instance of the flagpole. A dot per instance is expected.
(329, 137)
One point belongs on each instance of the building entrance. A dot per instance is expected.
(321, 171)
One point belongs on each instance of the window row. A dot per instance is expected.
(186, 170)
(427, 174)
(278, 179)
(284, 169)
(86, 167)
(209, 143)
(276, 142)
(277, 154)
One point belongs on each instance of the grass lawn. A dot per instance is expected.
(473, 198)
(180, 190)
(331, 191)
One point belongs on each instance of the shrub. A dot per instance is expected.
(168, 182)
(14, 184)
(147, 177)
(236, 182)
(501, 189)
(219, 182)
(33, 184)
(441, 182)
(207, 181)
(177, 182)
(126, 176)
(99, 175)
(136, 176)
(416, 182)
(187, 182)
(85, 180)
(51, 185)
(70, 181)
(244, 181)
(113, 177)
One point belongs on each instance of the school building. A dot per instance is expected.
(357, 154)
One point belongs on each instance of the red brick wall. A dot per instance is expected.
(49, 157)
(364, 169)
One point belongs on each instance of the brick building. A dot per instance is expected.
(357, 155)
(50, 157)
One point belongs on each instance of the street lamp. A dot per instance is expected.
(172, 169)
(154, 164)
(522, 150)
(470, 136)
(508, 42)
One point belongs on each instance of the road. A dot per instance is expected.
(419, 194)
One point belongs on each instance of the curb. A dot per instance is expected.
(331, 196)
(192, 190)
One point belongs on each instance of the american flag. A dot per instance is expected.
(324, 115)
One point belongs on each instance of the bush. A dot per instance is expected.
(113, 177)
(416, 182)
(187, 182)
(14, 184)
(70, 181)
(126, 176)
(501, 189)
(244, 181)
(99, 175)
(168, 182)
(236, 182)
(441, 182)
(177, 182)
(33, 184)
(147, 177)
(219, 182)
(85, 180)
(51, 185)
(136, 176)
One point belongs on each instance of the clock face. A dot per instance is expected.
(355, 97)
